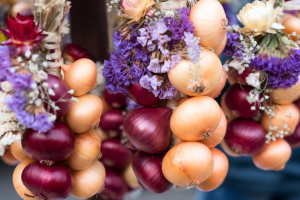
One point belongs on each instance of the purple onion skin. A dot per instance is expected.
(112, 121)
(115, 100)
(115, 155)
(245, 137)
(115, 186)
(141, 95)
(148, 171)
(148, 129)
(45, 182)
(60, 91)
(241, 78)
(53, 146)
(297, 102)
(237, 103)
(294, 139)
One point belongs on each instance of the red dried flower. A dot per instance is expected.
(75, 52)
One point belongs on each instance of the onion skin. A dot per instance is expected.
(294, 139)
(148, 171)
(185, 119)
(291, 23)
(181, 100)
(274, 156)
(218, 89)
(232, 79)
(227, 150)
(106, 106)
(141, 95)
(148, 129)
(218, 175)
(130, 177)
(236, 101)
(241, 78)
(103, 136)
(9, 158)
(117, 100)
(48, 182)
(224, 107)
(218, 50)
(53, 146)
(245, 137)
(18, 152)
(115, 155)
(112, 122)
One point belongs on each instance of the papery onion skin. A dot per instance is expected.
(48, 182)
(290, 23)
(188, 164)
(18, 152)
(245, 137)
(130, 177)
(141, 95)
(218, 175)
(224, 107)
(9, 158)
(117, 100)
(232, 79)
(115, 155)
(227, 150)
(185, 119)
(112, 122)
(148, 171)
(236, 101)
(218, 89)
(106, 106)
(88, 182)
(148, 129)
(55, 145)
(294, 139)
(273, 156)
(219, 49)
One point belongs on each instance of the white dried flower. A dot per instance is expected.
(74, 99)
(27, 54)
(71, 92)
(51, 92)
(253, 80)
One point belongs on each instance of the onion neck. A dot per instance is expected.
(95, 125)
(194, 183)
(65, 68)
(205, 134)
(236, 149)
(198, 89)
(47, 162)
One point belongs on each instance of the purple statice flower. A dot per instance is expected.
(150, 83)
(42, 123)
(156, 67)
(233, 40)
(131, 105)
(193, 49)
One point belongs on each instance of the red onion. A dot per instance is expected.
(245, 136)
(141, 95)
(60, 88)
(112, 122)
(115, 100)
(148, 129)
(237, 103)
(294, 139)
(148, 171)
(115, 155)
(53, 146)
(241, 78)
(115, 186)
(297, 102)
(47, 182)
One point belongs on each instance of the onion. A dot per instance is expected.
(210, 21)
(232, 79)
(112, 122)
(81, 76)
(285, 96)
(285, 17)
(181, 100)
(53, 146)
(88, 182)
(106, 106)
(219, 49)
(294, 139)
(245, 137)
(274, 156)
(60, 89)
(210, 73)
(224, 107)
(115, 186)
(148, 171)
(286, 119)
(291, 24)
(117, 100)
(86, 151)
(115, 155)
(241, 78)
(217, 90)
(85, 113)
(218, 135)
(141, 95)
(227, 150)
(9, 158)
(103, 136)
(237, 103)
(219, 172)
(148, 129)
(18, 152)
(47, 182)
(130, 177)
(185, 119)
(188, 164)
(19, 186)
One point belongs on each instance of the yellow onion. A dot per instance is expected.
(218, 135)
(18, 152)
(103, 136)
(18, 184)
(181, 100)
(286, 119)
(85, 113)
(106, 106)
(130, 177)
(228, 150)
(81, 76)
(225, 109)
(285, 96)
(219, 172)
(196, 118)
(188, 164)
(291, 24)
(86, 151)
(210, 21)
(9, 158)
(217, 90)
(219, 49)
(209, 70)
(273, 156)
(88, 182)
(232, 79)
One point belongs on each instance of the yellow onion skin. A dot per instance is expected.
(219, 49)
(9, 158)
(291, 24)
(130, 178)
(232, 79)
(188, 164)
(219, 173)
(18, 152)
(228, 150)
(209, 68)
(225, 109)
(210, 22)
(283, 96)
(218, 89)
(196, 118)
(274, 156)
